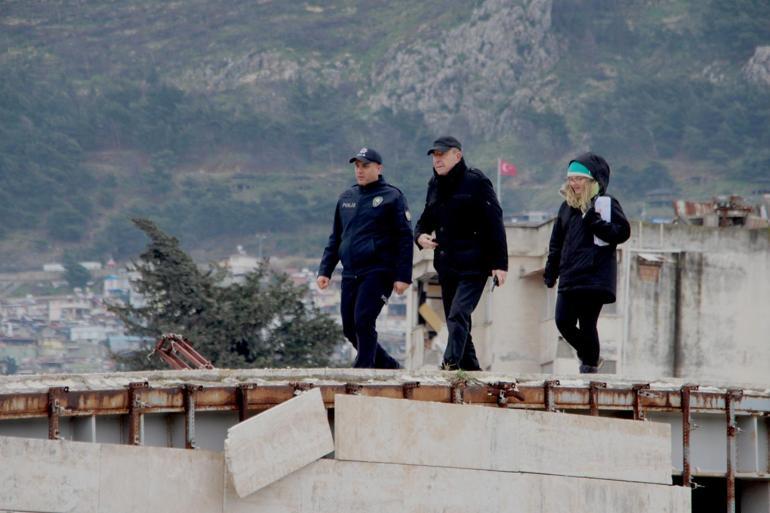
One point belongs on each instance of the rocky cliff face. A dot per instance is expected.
(757, 69)
(475, 74)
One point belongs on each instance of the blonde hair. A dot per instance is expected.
(582, 200)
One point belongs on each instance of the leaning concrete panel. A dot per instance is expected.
(144, 479)
(278, 442)
(446, 435)
(331, 486)
(48, 476)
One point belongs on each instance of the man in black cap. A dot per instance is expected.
(463, 223)
(372, 236)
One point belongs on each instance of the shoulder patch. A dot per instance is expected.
(408, 215)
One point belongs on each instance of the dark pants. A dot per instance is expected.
(460, 296)
(361, 302)
(580, 308)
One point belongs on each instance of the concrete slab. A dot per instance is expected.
(331, 486)
(48, 476)
(275, 443)
(403, 431)
(141, 479)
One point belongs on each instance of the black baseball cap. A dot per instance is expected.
(444, 143)
(366, 155)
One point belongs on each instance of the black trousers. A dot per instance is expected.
(460, 295)
(361, 302)
(576, 317)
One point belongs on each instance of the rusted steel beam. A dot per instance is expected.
(731, 397)
(686, 430)
(407, 389)
(135, 410)
(189, 392)
(593, 396)
(57, 404)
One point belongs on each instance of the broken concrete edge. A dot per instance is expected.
(277, 442)
(400, 431)
(329, 376)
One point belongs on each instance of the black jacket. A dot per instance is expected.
(573, 257)
(463, 211)
(372, 232)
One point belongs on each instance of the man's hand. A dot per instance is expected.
(322, 281)
(400, 287)
(500, 275)
(426, 241)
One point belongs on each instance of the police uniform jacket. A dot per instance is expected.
(372, 232)
(462, 209)
(573, 257)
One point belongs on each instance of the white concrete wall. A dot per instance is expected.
(277, 442)
(331, 486)
(381, 430)
(60, 477)
(713, 327)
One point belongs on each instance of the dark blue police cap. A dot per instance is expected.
(366, 155)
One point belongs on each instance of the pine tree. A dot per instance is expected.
(263, 321)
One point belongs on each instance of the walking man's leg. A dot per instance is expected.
(373, 292)
(462, 297)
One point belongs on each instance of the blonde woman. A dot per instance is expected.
(581, 254)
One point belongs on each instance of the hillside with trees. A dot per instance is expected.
(230, 122)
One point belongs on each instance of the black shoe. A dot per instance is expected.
(591, 369)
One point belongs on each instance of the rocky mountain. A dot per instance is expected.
(230, 121)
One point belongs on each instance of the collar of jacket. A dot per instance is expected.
(373, 185)
(453, 176)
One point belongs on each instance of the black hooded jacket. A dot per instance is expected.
(372, 232)
(463, 211)
(573, 257)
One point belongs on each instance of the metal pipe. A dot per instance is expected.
(135, 417)
(56, 397)
(638, 409)
(593, 396)
(189, 417)
(549, 399)
(732, 430)
(686, 429)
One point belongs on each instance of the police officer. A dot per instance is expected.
(372, 236)
(463, 223)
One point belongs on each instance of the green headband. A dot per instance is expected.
(575, 168)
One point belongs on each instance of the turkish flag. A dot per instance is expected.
(506, 168)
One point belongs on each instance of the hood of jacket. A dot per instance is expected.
(598, 167)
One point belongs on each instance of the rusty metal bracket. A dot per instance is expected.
(731, 397)
(408, 389)
(300, 386)
(502, 390)
(135, 410)
(593, 396)
(638, 409)
(549, 399)
(458, 392)
(189, 392)
(242, 398)
(686, 391)
(353, 388)
(57, 401)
